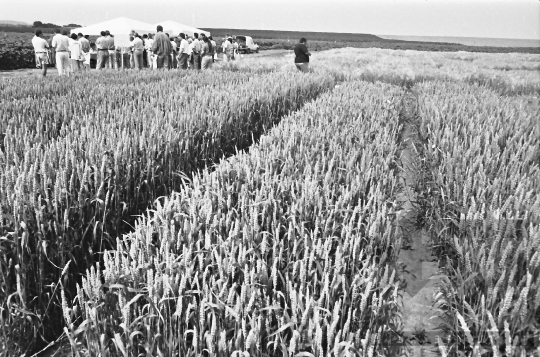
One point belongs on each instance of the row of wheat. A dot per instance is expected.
(481, 198)
(77, 167)
(285, 250)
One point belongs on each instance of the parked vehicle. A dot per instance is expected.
(246, 45)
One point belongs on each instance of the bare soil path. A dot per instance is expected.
(421, 323)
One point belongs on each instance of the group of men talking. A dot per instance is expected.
(74, 53)
(161, 51)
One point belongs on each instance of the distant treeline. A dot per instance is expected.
(46, 27)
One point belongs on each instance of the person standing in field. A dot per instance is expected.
(183, 52)
(52, 57)
(138, 48)
(206, 54)
(102, 45)
(145, 53)
(235, 48)
(148, 45)
(41, 48)
(174, 45)
(162, 48)
(85, 48)
(196, 55)
(214, 48)
(75, 53)
(190, 53)
(60, 43)
(227, 48)
(301, 59)
(113, 63)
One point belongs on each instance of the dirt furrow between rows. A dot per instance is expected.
(418, 266)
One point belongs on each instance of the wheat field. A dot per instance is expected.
(253, 210)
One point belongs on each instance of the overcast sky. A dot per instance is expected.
(468, 18)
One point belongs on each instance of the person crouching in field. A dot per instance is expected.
(41, 48)
(301, 59)
(60, 43)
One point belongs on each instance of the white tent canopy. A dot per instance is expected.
(118, 26)
(174, 28)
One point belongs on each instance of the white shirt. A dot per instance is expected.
(137, 44)
(40, 44)
(74, 49)
(148, 44)
(184, 46)
(60, 43)
(190, 48)
(110, 41)
(197, 46)
(174, 45)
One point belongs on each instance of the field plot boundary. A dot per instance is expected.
(76, 191)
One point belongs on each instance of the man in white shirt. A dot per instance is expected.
(148, 45)
(138, 48)
(183, 52)
(60, 43)
(102, 45)
(41, 48)
(227, 49)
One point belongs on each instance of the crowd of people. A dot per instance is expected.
(74, 53)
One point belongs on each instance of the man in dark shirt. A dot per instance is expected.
(301, 59)
(162, 48)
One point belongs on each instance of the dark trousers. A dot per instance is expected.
(196, 61)
(162, 61)
(183, 60)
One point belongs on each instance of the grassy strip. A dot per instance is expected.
(67, 199)
(480, 200)
(285, 249)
